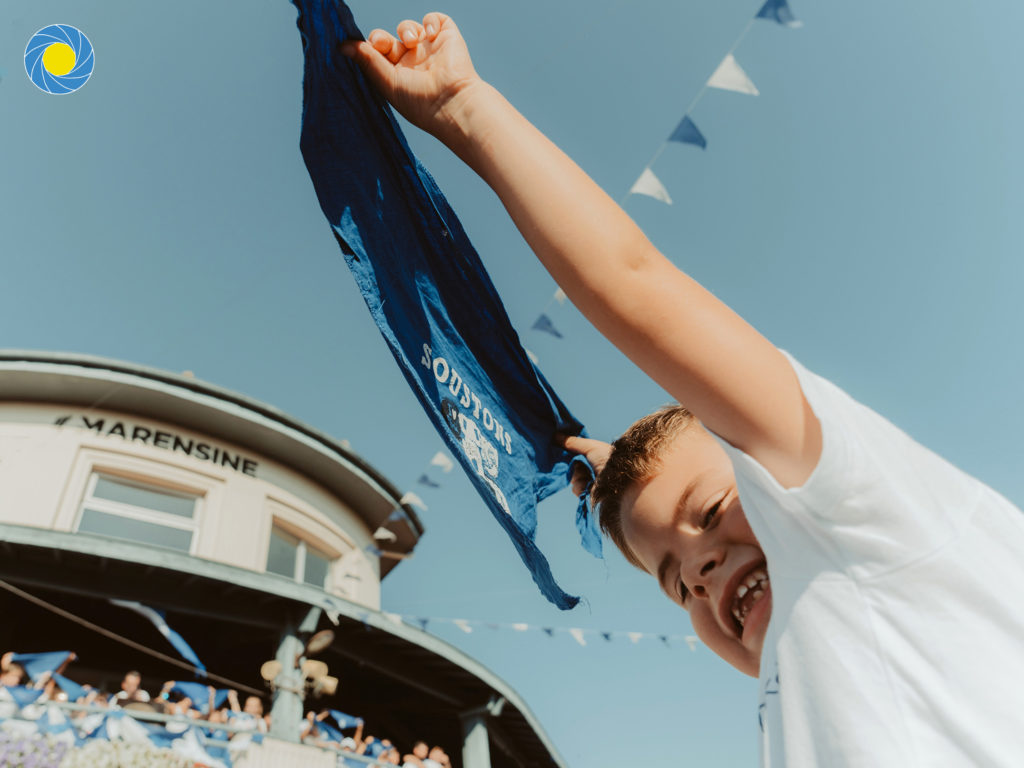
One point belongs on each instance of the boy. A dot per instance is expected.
(869, 584)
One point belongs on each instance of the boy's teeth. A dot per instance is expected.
(755, 584)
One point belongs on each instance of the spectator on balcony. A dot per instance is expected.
(131, 690)
(420, 751)
(251, 717)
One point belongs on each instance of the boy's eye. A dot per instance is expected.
(709, 516)
(683, 592)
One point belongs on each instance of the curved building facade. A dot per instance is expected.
(248, 528)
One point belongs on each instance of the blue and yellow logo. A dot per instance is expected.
(59, 59)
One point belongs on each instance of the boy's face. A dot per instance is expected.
(686, 526)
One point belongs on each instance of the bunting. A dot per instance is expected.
(543, 323)
(779, 12)
(730, 77)
(648, 184)
(578, 634)
(688, 133)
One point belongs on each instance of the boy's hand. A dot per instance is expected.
(594, 451)
(421, 72)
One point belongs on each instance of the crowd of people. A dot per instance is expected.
(206, 707)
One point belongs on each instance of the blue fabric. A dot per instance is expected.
(586, 520)
(198, 692)
(70, 687)
(428, 292)
(184, 648)
(778, 11)
(343, 720)
(328, 732)
(36, 664)
(427, 481)
(688, 133)
(23, 695)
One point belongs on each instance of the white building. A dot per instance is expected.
(250, 529)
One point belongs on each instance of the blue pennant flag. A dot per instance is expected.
(687, 132)
(780, 12)
(425, 480)
(428, 292)
(37, 664)
(23, 695)
(329, 731)
(158, 621)
(543, 323)
(73, 690)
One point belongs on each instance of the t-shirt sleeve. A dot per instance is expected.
(876, 497)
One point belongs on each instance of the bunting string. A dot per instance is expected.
(579, 634)
(728, 76)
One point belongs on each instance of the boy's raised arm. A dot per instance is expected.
(693, 345)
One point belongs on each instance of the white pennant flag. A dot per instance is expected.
(730, 77)
(634, 637)
(692, 642)
(559, 296)
(442, 461)
(649, 185)
(463, 625)
(413, 500)
(520, 627)
(383, 534)
(577, 635)
(394, 618)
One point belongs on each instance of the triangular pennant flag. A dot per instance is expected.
(413, 500)
(394, 618)
(158, 621)
(395, 516)
(443, 461)
(197, 692)
(23, 695)
(559, 296)
(520, 627)
(664, 639)
(780, 12)
(607, 636)
(549, 631)
(688, 133)
(543, 323)
(730, 77)
(648, 184)
(692, 642)
(634, 637)
(424, 479)
(383, 534)
(577, 635)
(463, 625)
(73, 690)
(423, 623)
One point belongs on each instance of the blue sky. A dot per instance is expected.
(862, 212)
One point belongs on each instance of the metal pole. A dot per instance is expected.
(476, 743)
(289, 688)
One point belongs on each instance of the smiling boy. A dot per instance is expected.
(869, 584)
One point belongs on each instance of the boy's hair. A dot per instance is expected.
(635, 457)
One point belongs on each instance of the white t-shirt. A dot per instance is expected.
(897, 628)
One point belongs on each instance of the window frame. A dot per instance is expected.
(142, 514)
(301, 548)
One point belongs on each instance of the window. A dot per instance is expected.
(291, 557)
(126, 509)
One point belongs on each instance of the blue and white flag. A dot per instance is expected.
(344, 721)
(428, 292)
(779, 12)
(158, 620)
(22, 695)
(38, 664)
(73, 690)
(688, 133)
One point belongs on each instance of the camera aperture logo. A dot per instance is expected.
(59, 59)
